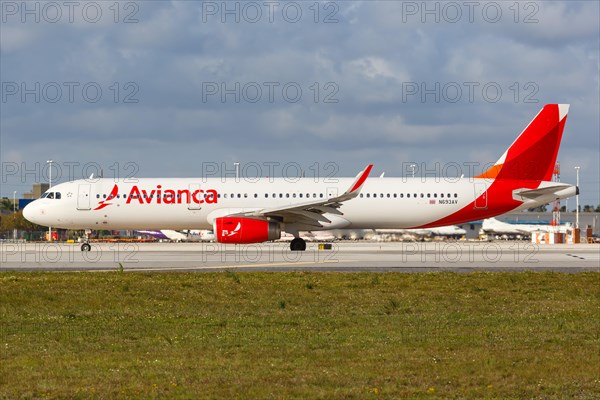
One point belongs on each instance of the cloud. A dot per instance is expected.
(354, 72)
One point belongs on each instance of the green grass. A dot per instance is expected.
(299, 335)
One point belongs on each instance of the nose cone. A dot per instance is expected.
(33, 213)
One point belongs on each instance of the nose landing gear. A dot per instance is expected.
(86, 246)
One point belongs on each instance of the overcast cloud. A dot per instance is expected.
(162, 66)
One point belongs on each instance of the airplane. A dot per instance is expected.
(180, 236)
(451, 231)
(492, 226)
(164, 234)
(309, 236)
(242, 212)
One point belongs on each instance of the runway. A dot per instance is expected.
(344, 256)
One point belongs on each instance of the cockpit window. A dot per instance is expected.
(51, 195)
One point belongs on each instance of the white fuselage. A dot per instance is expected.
(180, 203)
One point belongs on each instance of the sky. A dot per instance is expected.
(187, 88)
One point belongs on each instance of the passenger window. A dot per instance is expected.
(98, 195)
(361, 195)
(455, 195)
(368, 196)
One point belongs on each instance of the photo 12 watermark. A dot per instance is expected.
(64, 255)
(66, 171)
(253, 12)
(269, 92)
(452, 12)
(448, 253)
(70, 12)
(69, 92)
(253, 171)
(469, 92)
(270, 254)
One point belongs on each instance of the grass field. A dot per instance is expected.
(299, 335)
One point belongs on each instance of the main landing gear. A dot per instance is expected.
(298, 244)
(86, 246)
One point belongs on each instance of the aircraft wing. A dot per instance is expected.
(311, 213)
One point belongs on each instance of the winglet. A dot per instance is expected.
(360, 179)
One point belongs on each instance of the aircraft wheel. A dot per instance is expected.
(298, 244)
(86, 247)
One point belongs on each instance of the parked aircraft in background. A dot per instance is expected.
(493, 227)
(239, 211)
(451, 231)
(180, 236)
(317, 236)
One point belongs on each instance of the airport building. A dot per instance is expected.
(37, 191)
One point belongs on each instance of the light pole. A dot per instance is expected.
(237, 171)
(577, 199)
(14, 212)
(49, 162)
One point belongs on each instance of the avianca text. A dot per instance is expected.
(170, 196)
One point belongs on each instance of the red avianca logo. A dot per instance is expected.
(159, 195)
(112, 195)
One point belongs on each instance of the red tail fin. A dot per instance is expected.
(532, 156)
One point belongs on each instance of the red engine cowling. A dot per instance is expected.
(245, 230)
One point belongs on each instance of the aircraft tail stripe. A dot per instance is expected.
(532, 155)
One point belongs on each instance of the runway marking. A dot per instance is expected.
(575, 256)
(317, 263)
